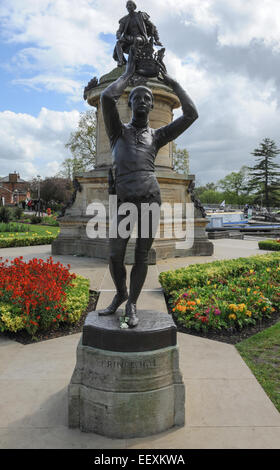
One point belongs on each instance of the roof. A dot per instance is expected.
(7, 180)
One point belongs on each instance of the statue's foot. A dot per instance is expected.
(130, 313)
(113, 307)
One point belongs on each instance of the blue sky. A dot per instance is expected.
(226, 54)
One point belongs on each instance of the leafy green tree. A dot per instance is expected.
(199, 190)
(211, 196)
(235, 182)
(180, 159)
(82, 145)
(71, 166)
(264, 177)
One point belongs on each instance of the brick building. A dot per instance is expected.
(13, 189)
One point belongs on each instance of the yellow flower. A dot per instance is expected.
(232, 316)
(208, 282)
(198, 301)
(268, 270)
(251, 271)
(241, 307)
(248, 289)
(248, 313)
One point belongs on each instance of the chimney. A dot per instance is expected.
(13, 177)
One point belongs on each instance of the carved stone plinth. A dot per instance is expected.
(127, 383)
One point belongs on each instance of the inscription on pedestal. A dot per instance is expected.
(127, 364)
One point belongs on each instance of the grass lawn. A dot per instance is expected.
(261, 353)
(34, 235)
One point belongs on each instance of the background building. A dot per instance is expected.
(13, 189)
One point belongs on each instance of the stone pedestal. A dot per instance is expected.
(127, 382)
(73, 237)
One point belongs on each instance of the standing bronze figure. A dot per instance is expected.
(134, 149)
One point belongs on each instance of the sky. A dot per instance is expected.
(225, 53)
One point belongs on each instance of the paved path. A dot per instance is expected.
(226, 408)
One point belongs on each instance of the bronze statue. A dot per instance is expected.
(134, 149)
(135, 30)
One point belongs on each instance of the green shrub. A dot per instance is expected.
(35, 219)
(49, 220)
(18, 213)
(273, 245)
(5, 215)
(77, 299)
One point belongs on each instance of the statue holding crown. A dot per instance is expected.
(137, 31)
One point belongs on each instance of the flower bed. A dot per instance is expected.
(32, 235)
(224, 295)
(38, 295)
(273, 245)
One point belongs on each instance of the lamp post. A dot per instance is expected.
(39, 204)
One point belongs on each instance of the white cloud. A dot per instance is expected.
(35, 144)
(72, 88)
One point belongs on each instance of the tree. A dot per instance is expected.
(70, 167)
(264, 177)
(199, 190)
(56, 189)
(235, 182)
(211, 196)
(180, 160)
(82, 145)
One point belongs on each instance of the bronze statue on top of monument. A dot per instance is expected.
(137, 31)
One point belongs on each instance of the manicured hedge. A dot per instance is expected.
(273, 245)
(9, 242)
